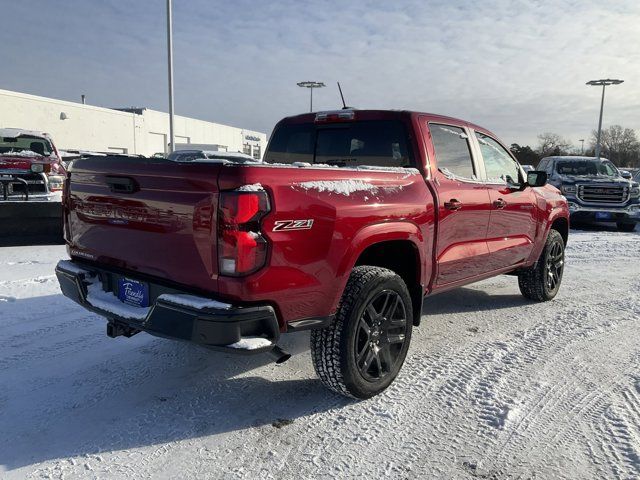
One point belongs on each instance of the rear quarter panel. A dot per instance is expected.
(351, 210)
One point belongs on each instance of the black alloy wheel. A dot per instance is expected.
(380, 335)
(362, 351)
(554, 264)
(542, 280)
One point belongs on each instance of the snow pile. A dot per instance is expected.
(255, 187)
(223, 161)
(250, 343)
(22, 153)
(71, 267)
(453, 176)
(192, 301)
(341, 187)
(407, 170)
(213, 154)
(453, 132)
(371, 168)
(225, 158)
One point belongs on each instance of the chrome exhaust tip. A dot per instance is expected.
(279, 354)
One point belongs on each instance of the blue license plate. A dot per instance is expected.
(133, 292)
(603, 216)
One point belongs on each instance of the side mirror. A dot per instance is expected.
(536, 178)
(625, 174)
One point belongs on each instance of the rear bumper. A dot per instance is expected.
(216, 325)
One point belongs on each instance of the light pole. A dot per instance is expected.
(604, 83)
(582, 146)
(311, 86)
(170, 64)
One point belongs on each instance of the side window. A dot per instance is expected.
(499, 165)
(550, 167)
(453, 154)
(608, 169)
(291, 143)
(542, 165)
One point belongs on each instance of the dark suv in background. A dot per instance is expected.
(595, 189)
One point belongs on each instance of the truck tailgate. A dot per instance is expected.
(151, 216)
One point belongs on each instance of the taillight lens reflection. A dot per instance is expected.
(241, 247)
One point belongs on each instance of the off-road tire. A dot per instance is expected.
(334, 348)
(533, 281)
(626, 227)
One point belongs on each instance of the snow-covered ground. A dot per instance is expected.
(493, 387)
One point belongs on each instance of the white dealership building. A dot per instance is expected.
(77, 126)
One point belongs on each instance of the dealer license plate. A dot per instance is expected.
(603, 216)
(133, 292)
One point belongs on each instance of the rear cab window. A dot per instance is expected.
(453, 151)
(376, 143)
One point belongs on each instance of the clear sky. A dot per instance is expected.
(516, 67)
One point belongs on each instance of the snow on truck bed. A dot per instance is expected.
(493, 387)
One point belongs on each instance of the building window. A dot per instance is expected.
(246, 149)
(256, 152)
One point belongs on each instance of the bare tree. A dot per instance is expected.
(552, 144)
(620, 145)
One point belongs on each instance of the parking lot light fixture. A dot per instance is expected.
(604, 82)
(311, 86)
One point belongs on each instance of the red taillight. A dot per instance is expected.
(241, 247)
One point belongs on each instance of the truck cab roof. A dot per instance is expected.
(373, 114)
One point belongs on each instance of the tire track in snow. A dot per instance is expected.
(541, 390)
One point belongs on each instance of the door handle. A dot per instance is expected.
(121, 184)
(453, 204)
(499, 203)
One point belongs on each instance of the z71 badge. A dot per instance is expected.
(293, 225)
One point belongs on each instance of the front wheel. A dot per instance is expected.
(626, 227)
(362, 351)
(541, 282)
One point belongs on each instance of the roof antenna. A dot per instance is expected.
(344, 105)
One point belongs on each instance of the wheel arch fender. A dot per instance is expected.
(379, 233)
(559, 219)
(557, 215)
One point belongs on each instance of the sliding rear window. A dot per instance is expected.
(378, 143)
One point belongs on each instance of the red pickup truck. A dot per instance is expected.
(31, 178)
(353, 217)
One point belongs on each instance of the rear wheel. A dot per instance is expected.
(362, 351)
(626, 227)
(541, 282)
